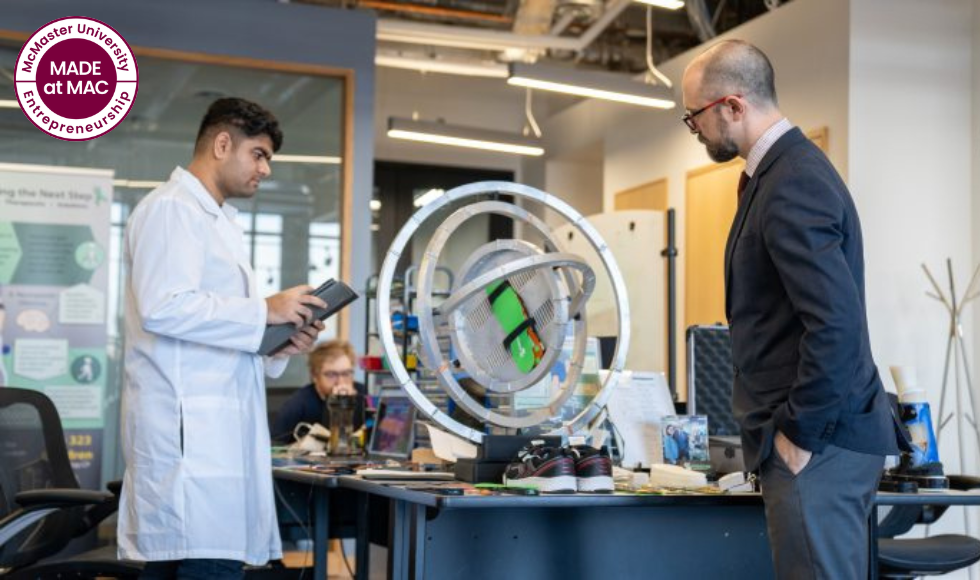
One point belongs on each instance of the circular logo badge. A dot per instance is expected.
(76, 78)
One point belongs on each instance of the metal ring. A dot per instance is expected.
(592, 411)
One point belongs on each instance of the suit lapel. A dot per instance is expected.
(792, 137)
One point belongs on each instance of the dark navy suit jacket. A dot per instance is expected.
(794, 298)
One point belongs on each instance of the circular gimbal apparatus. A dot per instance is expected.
(514, 308)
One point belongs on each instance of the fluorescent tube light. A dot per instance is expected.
(592, 84)
(13, 104)
(307, 159)
(668, 4)
(136, 184)
(452, 67)
(444, 134)
(375, 205)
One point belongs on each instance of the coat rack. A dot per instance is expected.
(956, 351)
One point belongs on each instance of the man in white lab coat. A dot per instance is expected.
(197, 498)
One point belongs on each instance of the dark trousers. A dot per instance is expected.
(818, 518)
(193, 570)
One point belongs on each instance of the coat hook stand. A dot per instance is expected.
(956, 352)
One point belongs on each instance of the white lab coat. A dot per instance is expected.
(198, 481)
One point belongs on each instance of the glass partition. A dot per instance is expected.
(293, 226)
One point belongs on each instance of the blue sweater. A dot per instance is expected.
(306, 406)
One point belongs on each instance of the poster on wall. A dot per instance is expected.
(54, 240)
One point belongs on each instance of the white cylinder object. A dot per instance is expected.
(907, 384)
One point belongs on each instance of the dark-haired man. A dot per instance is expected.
(815, 420)
(197, 496)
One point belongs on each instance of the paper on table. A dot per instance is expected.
(636, 407)
(449, 447)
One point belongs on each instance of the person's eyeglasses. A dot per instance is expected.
(337, 375)
(689, 117)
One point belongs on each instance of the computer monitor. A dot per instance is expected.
(394, 429)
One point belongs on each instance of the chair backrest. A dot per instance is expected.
(33, 455)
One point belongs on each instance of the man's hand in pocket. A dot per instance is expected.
(794, 457)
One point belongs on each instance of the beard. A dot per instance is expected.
(722, 150)
(235, 186)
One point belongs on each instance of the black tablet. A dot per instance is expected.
(336, 294)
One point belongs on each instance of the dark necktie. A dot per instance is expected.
(742, 181)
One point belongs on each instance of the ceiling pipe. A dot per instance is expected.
(700, 17)
(435, 11)
(440, 35)
(563, 23)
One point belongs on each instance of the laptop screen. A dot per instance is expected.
(394, 429)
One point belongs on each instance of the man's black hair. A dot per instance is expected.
(244, 116)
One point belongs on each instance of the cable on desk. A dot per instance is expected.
(343, 554)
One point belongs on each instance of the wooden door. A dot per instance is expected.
(652, 195)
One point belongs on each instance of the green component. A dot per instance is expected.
(509, 311)
(503, 486)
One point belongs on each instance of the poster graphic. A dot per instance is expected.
(54, 236)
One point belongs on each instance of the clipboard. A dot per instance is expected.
(336, 294)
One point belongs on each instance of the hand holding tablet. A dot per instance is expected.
(335, 294)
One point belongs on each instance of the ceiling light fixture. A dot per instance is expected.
(592, 84)
(136, 183)
(326, 159)
(471, 68)
(471, 137)
(668, 4)
(12, 104)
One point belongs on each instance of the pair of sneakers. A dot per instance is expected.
(561, 469)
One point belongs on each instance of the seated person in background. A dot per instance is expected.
(332, 372)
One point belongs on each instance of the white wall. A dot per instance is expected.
(910, 154)
(975, 178)
(577, 182)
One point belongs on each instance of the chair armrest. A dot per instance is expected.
(963, 482)
(59, 497)
(115, 487)
(38, 503)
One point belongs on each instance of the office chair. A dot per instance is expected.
(901, 558)
(906, 558)
(41, 506)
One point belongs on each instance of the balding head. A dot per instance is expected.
(735, 67)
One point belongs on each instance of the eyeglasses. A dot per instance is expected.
(337, 375)
(689, 117)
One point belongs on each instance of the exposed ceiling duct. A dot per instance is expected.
(392, 30)
(534, 18)
(481, 36)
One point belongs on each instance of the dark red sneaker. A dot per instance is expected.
(593, 469)
(549, 469)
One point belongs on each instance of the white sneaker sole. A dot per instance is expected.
(560, 484)
(598, 484)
